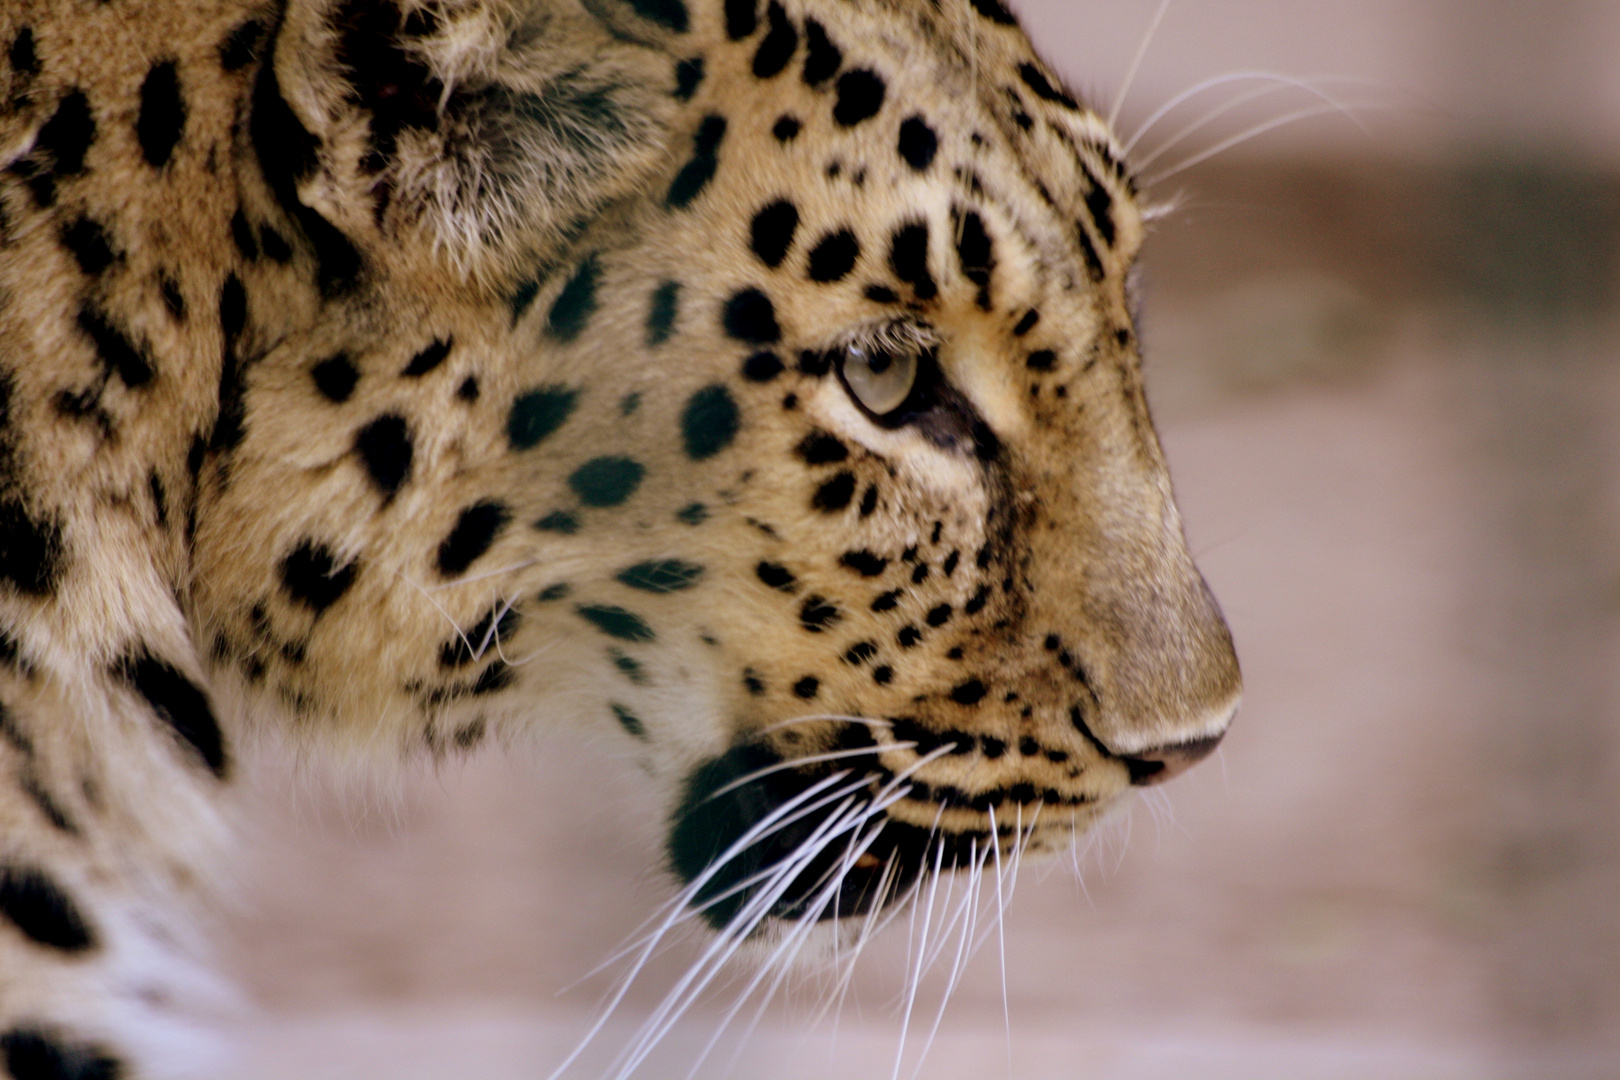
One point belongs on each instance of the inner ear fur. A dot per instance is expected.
(486, 131)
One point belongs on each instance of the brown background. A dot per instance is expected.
(1383, 354)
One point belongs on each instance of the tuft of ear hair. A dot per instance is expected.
(491, 130)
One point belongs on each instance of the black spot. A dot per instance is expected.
(709, 422)
(777, 577)
(559, 521)
(752, 681)
(939, 616)
(554, 592)
(22, 54)
(385, 448)
(538, 413)
(786, 128)
(834, 256)
(616, 622)
(1027, 323)
(172, 298)
(977, 601)
(816, 363)
(762, 367)
(951, 560)
(918, 143)
(954, 653)
(1043, 87)
(311, 575)
(241, 45)
(475, 530)
(1101, 205)
(606, 481)
(629, 721)
(992, 10)
(335, 377)
(886, 601)
(468, 390)
(160, 499)
(118, 354)
(751, 317)
(883, 675)
(496, 677)
(87, 241)
(180, 703)
(821, 448)
(968, 693)
(1088, 251)
(45, 914)
(908, 258)
(429, 358)
(822, 58)
(919, 574)
(1041, 360)
(628, 666)
(779, 44)
(860, 652)
(741, 18)
(817, 613)
(688, 76)
(522, 297)
(498, 625)
(242, 235)
(697, 172)
(661, 575)
(64, 139)
(162, 117)
(863, 562)
(991, 747)
(670, 14)
(976, 252)
(772, 231)
(880, 294)
(860, 96)
(576, 303)
(869, 500)
(908, 637)
(233, 309)
(835, 494)
(692, 514)
(807, 687)
(31, 554)
(661, 312)
(33, 1054)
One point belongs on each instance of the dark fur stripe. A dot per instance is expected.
(37, 906)
(180, 703)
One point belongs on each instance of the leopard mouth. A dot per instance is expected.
(758, 836)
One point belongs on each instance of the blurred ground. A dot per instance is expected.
(1389, 393)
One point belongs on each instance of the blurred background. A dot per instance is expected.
(1383, 346)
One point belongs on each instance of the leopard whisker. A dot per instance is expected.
(759, 829)
(810, 759)
(1136, 62)
(731, 938)
(1243, 137)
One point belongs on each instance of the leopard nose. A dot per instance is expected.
(1159, 764)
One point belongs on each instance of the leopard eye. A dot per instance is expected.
(879, 379)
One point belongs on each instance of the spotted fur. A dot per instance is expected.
(399, 374)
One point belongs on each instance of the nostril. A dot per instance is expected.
(1161, 763)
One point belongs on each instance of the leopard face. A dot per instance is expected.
(810, 455)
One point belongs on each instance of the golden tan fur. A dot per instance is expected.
(466, 421)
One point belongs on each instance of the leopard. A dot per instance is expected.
(754, 383)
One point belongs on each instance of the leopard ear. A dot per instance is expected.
(489, 131)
